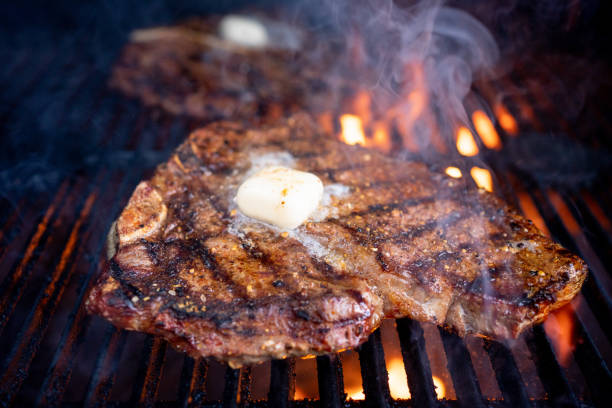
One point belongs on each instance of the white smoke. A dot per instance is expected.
(393, 51)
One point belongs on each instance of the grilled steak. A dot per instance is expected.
(390, 239)
(187, 69)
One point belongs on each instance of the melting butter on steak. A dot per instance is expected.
(400, 240)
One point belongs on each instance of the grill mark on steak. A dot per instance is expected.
(411, 243)
(118, 274)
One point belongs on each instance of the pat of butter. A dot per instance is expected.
(280, 196)
(243, 30)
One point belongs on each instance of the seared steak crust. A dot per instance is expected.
(400, 241)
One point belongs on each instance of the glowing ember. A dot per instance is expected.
(454, 172)
(505, 119)
(352, 130)
(482, 177)
(486, 130)
(465, 142)
(440, 388)
(398, 382)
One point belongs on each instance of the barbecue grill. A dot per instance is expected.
(76, 149)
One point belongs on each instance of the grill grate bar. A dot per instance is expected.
(550, 372)
(193, 382)
(593, 366)
(416, 363)
(230, 391)
(374, 374)
(329, 374)
(75, 328)
(508, 376)
(282, 383)
(461, 370)
(103, 378)
(246, 381)
(45, 306)
(28, 341)
(7, 303)
(153, 374)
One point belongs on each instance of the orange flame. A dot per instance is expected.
(440, 388)
(482, 177)
(486, 130)
(352, 130)
(465, 142)
(560, 329)
(453, 172)
(505, 119)
(355, 393)
(398, 382)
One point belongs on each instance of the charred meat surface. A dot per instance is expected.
(391, 239)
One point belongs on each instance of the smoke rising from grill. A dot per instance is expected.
(417, 62)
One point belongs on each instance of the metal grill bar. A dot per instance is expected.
(46, 302)
(246, 381)
(329, 373)
(462, 371)
(416, 363)
(7, 289)
(153, 374)
(374, 374)
(230, 391)
(282, 383)
(550, 372)
(193, 382)
(75, 329)
(508, 376)
(593, 366)
(106, 368)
